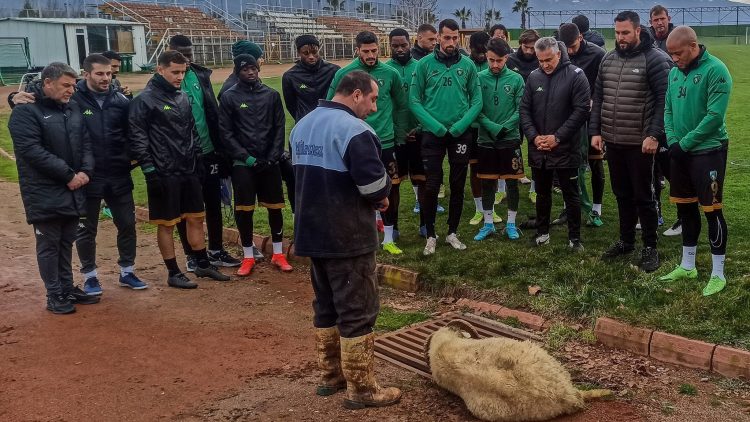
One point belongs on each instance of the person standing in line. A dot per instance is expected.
(554, 108)
(341, 164)
(634, 76)
(425, 43)
(54, 161)
(695, 123)
(446, 98)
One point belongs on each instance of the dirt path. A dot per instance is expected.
(227, 351)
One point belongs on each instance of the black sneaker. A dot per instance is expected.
(60, 304)
(223, 259)
(80, 297)
(649, 260)
(561, 219)
(618, 249)
(180, 281)
(191, 264)
(210, 272)
(575, 245)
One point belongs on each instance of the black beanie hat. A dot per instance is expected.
(244, 60)
(304, 40)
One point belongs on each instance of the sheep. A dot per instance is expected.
(502, 379)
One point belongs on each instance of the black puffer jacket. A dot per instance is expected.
(629, 96)
(556, 104)
(51, 145)
(303, 85)
(588, 58)
(252, 122)
(518, 62)
(108, 130)
(162, 130)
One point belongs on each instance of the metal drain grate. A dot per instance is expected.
(405, 347)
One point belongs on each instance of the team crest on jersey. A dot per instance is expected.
(88, 112)
(697, 78)
(506, 88)
(381, 82)
(460, 72)
(243, 105)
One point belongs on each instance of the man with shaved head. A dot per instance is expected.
(695, 124)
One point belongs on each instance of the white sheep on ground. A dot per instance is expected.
(502, 379)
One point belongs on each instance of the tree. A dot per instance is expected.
(28, 10)
(463, 14)
(521, 6)
(367, 8)
(335, 5)
(490, 17)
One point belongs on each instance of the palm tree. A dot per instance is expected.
(490, 17)
(367, 8)
(521, 6)
(463, 14)
(334, 5)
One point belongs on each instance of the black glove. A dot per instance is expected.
(261, 166)
(285, 156)
(676, 152)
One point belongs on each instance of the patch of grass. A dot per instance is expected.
(667, 408)
(587, 386)
(8, 169)
(558, 335)
(587, 336)
(390, 319)
(687, 389)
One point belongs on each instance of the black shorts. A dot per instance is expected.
(500, 163)
(173, 198)
(698, 178)
(434, 148)
(249, 183)
(474, 146)
(409, 158)
(388, 157)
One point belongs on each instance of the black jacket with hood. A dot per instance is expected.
(303, 85)
(588, 58)
(252, 122)
(51, 145)
(108, 130)
(518, 62)
(162, 130)
(556, 104)
(418, 52)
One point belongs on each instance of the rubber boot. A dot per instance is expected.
(328, 349)
(357, 358)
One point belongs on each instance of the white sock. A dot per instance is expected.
(488, 217)
(377, 216)
(125, 270)
(501, 185)
(688, 257)
(416, 192)
(278, 248)
(533, 187)
(247, 251)
(718, 267)
(597, 208)
(89, 275)
(387, 234)
(478, 204)
(512, 216)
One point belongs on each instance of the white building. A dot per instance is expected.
(70, 40)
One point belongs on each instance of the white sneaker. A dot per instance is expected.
(675, 230)
(429, 249)
(452, 240)
(525, 180)
(542, 239)
(638, 226)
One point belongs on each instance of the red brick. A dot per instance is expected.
(298, 259)
(681, 351)
(141, 214)
(231, 236)
(527, 319)
(398, 278)
(615, 334)
(733, 363)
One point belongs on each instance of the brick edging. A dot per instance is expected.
(396, 277)
(665, 347)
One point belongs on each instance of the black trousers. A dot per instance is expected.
(346, 294)
(287, 175)
(434, 150)
(54, 253)
(568, 180)
(632, 177)
(123, 215)
(212, 199)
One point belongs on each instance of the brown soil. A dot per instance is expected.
(231, 351)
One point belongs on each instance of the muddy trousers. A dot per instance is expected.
(346, 294)
(123, 215)
(54, 253)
